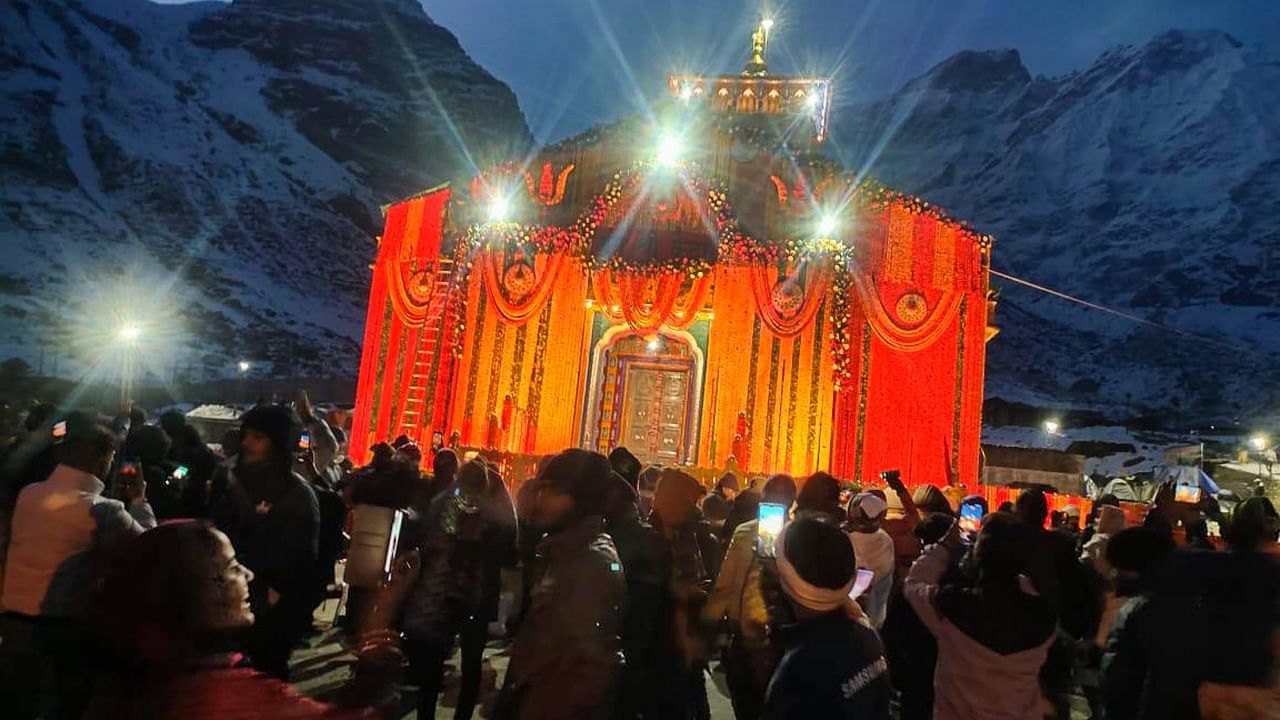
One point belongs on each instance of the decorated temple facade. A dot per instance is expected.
(704, 287)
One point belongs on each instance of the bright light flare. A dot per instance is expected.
(499, 209)
(813, 101)
(130, 332)
(686, 93)
(670, 149)
(827, 226)
(767, 24)
(653, 344)
(1258, 442)
(243, 366)
(1051, 426)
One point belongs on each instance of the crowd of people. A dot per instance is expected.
(147, 576)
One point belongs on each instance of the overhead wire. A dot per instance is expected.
(1118, 313)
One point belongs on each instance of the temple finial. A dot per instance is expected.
(757, 66)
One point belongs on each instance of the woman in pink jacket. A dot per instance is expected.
(993, 637)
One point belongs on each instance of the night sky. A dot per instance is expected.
(574, 63)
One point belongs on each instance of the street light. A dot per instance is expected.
(1051, 427)
(1259, 443)
(243, 366)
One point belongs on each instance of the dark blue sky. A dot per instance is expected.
(574, 63)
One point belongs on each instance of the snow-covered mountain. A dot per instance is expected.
(219, 168)
(1149, 182)
(214, 172)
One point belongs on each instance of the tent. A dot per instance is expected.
(1186, 475)
(1121, 489)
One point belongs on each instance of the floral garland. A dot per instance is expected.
(733, 246)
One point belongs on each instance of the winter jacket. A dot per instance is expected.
(737, 594)
(60, 530)
(462, 560)
(835, 669)
(565, 658)
(272, 517)
(1208, 618)
(991, 644)
(875, 552)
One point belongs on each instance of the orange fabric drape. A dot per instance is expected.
(814, 292)
(892, 333)
(626, 292)
(685, 311)
(664, 301)
(520, 313)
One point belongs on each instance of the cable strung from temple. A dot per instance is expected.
(1117, 313)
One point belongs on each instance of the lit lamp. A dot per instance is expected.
(653, 344)
(243, 366)
(129, 333)
(670, 149)
(767, 24)
(1051, 427)
(499, 209)
(827, 226)
(1259, 443)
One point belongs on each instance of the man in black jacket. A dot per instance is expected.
(835, 666)
(272, 517)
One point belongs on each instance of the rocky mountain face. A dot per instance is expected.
(214, 173)
(1148, 182)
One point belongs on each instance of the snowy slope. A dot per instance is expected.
(215, 171)
(1149, 182)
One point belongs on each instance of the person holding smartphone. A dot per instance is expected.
(739, 600)
(993, 637)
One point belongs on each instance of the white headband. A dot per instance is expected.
(818, 599)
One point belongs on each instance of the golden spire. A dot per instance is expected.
(757, 66)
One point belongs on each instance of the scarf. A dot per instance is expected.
(818, 599)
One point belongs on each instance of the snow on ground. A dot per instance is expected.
(1148, 447)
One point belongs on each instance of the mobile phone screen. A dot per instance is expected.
(970, 518)
(180, 472)
(862, 583)
(1186, 493)
(60, 429)
(304, 441)
(771, 517)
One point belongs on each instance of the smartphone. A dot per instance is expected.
(60, 429)
(862, 583)
(180, 472)
(970, 520)
(129, 467)
(304, 441)
(771, 517)
(1186, 493)
(393, 543)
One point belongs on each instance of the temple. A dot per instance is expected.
(702, 285)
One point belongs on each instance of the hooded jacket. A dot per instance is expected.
(990, 647)
(565, 658)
